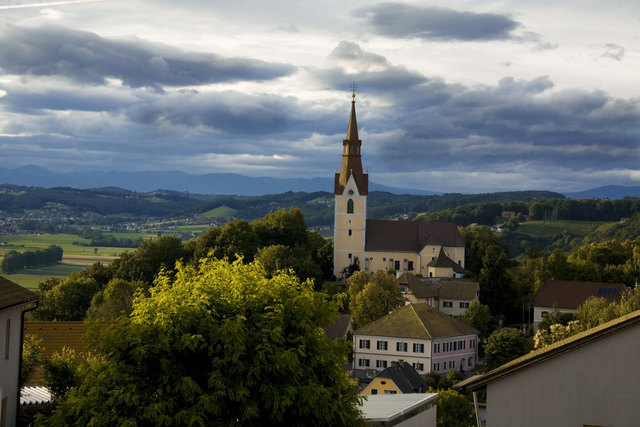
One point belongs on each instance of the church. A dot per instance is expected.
(431, 249)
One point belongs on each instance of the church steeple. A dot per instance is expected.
(351, 158)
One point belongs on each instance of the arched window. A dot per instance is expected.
(350, 206)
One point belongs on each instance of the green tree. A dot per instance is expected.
(503, 346)
(372, 297)
(454, 410)
(151, 256)
(66, 299)
(221, 344)
(61, 372)
(479, 316)
(114, 301)
(496, 283)
(31, 356)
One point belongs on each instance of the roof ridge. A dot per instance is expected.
(420, 320)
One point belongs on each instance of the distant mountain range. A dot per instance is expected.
(224, 183)
(214, 183)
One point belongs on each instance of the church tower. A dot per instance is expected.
(351, 187)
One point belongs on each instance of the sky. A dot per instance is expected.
(452, 96)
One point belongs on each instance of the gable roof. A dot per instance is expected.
(410, 236)
(443, 261)
(339, 328)
(405, 377)
(431, 287)
(12, 294)
(571, 294)
(417, 321)
(539, 356)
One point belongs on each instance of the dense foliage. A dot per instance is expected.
(373, 296)
(219, 344)
(15, 261)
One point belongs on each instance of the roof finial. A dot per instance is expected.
(354, 88)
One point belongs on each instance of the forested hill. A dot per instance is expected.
(317, 206)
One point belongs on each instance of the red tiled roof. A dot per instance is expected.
(571, 294)
(410, 236)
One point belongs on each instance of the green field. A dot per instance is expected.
(220, 211)
(552, 228)
(31, 242)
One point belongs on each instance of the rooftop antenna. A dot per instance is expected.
(354, 88)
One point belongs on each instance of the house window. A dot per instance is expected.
(401, 346)
(447, 304)
(452, 364)
(7, 340)
(382, 345)
(384, 259)
(349, 256)
(374, 391)
(418, 366)
(381, 363)
(363, 362)
(462, 304)
(436, 367)
(350, 206)
(350, 235)
(472, 343)
(445, 347)
(396, 265)
(365, 344)
(418, 348)
(410, 266)
(390, 392)
(436, 348)
(453, 346)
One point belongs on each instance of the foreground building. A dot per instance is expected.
(432, 249)
(418, 334)
(585, 380)
(14, 302)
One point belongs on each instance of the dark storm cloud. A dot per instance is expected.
(88, 58)
(495, 127)
(400, 20)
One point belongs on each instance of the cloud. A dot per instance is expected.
(613, 51)
(88, 58)
(400, 20)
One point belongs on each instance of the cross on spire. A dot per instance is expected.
(354, 88)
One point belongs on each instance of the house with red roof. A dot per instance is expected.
(566, 296)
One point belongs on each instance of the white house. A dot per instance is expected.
(586, 380)
(428, 339)
(14, 301)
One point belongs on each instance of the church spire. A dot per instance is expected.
(352, 130)
(351, 158)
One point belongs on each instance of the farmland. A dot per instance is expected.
(551, 228)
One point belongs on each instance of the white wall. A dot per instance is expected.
(596, 384)
(9, 366)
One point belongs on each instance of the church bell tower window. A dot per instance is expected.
(350, 206)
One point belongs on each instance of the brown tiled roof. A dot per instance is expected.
(410, 236)
(417, 321)
(443, 261)
(570, 294)
(427, 287)
(12, 294)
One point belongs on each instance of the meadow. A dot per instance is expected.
(555, 227)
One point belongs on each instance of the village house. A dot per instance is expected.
(431, 341)
(580, 381)
(566, 296)
(451, 296)
(398, 378)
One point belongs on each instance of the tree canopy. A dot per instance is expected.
(218, 344)
(373, 296)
